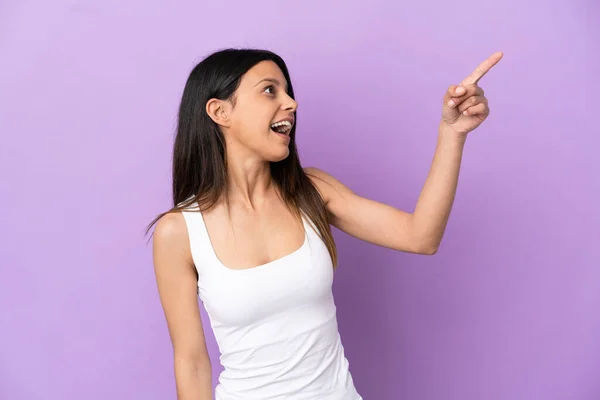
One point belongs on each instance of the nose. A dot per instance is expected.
(290, 104)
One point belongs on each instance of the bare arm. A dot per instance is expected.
(465, 108)
(419, 232)
(369, 220)
(432, 211)
(177, 287)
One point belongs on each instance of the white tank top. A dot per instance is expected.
(275, 324)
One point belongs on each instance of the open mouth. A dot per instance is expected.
(282, 127)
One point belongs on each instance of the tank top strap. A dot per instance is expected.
(200, 244)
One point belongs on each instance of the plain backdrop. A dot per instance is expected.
(507, 309)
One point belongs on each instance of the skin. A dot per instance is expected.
(261, 229)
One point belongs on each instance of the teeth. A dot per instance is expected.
(276, 124)
(282, 126)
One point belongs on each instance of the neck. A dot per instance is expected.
(249, 182)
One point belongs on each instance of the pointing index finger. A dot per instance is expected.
(482, 69)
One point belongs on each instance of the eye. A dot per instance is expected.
(270, 89)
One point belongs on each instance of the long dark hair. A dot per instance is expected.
(199, 156)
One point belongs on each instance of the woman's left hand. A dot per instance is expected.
(465, 106)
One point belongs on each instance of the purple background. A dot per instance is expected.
(507, 309)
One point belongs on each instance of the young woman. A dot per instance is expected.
(249, 232)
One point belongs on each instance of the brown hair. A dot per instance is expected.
(199, 156)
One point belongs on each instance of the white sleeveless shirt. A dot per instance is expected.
(275, 324)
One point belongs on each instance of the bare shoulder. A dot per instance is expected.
(170, 227)
(329, 186)
(171, 241)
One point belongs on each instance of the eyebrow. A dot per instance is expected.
(272, 80)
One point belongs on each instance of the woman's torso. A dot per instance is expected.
(272, 310)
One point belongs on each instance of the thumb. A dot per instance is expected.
(456, 91)
(452, 94)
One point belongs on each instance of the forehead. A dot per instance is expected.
(263, 70)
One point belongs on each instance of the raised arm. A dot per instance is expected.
(465, 107)
(177, 286)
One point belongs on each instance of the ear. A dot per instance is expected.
(218, 111)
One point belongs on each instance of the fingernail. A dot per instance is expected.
(451, 103)
(465, 112)
(460, 90)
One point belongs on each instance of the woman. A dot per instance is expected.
(250, 232)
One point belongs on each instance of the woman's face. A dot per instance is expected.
(261, 100)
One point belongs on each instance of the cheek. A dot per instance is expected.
(253, 121)
(252, 117)
(252, 124)
(250, 128)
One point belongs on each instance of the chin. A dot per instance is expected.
(280, 157)
(277, 154)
